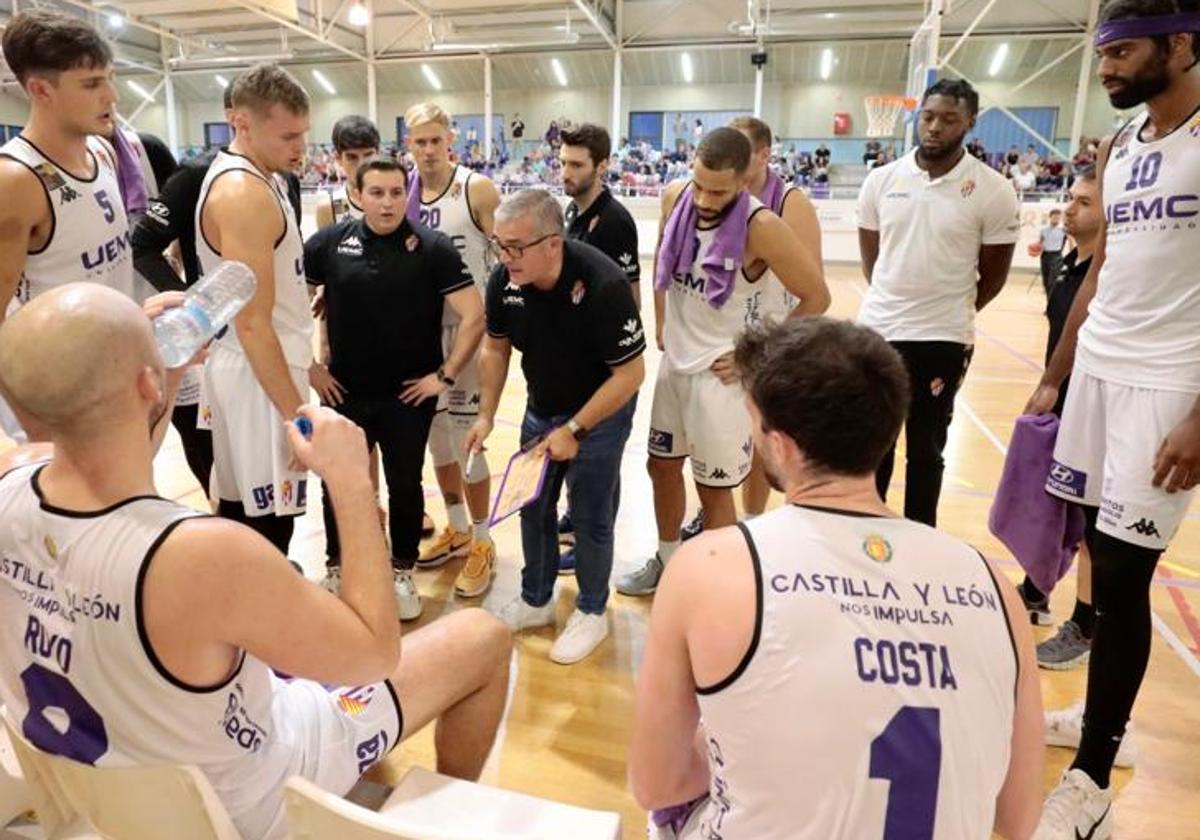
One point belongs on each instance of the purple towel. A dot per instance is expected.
(129, 174)
(412, 207)
(772, 192)
(1042, 531)
(723, 259)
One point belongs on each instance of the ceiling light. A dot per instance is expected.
(359, 16)
(559, 73)
(324, 82)
(115, 21)
(830, 15)
(998, 59)
(689, 73)
(826, 63)
(140, 91)
(431, 77)
(222, 81)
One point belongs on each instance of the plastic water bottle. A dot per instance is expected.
(208, 308)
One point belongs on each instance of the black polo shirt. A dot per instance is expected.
(608, 225)
(572, 335)
(383, 301)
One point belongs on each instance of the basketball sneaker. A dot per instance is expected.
(427, 526)
(408, 600)
(1065, 649)
(1076, 810)
(1064, 728)
(566, 562)
(332, 582)
(477, 573)
(1038, 608)
(450, 543)
(644, 581)
(519, 615)
(582, 635)
(566, 529)
(692, 528)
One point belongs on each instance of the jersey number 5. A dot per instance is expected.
(908, 753)
(105, 205)
(60, 720)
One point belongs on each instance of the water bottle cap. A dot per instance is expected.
(304, 426)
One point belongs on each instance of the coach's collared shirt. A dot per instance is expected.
(572, 335)
(923, 287)
(607, 225)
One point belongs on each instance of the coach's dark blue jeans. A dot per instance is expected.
(591, 478)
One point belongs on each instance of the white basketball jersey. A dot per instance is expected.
(694, 332)
(89, 236)
(451, 214)
(79, 677)
(343, 205)
(1143, 325)
(877, 699)
(777, 301)
(291, 317)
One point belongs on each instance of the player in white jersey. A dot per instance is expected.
(355, 141)
(256, 376)
(830, 671)
(700, 309)
(1128, 448)
(461, 204)
(96, 570)
(61, 219)
(773, 300)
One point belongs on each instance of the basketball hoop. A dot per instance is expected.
(883, 111)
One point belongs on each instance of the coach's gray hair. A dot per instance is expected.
(539, 205)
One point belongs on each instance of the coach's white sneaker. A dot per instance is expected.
(1064, 728)
(332, 582)
(408, 600)
(1076, 810)
(579, 638)
(521, 616)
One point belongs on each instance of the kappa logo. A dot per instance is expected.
(67, 195)
(1145, 527)
(719, 474)
(747, 446)
(351, 246)
(625, 259)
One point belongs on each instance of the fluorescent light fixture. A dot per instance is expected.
(830, 15)
(139, 90)
(998, 57)
(115, 21)
(559, 73)
(431, 77)
(689, 72)
(324, 82)
(222, 81)
(826, 62)
(359, 15)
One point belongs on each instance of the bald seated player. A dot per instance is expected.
(97, 570)
(858, 675)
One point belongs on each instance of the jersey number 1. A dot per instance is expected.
(908, 754)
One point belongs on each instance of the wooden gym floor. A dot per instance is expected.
(566, 730)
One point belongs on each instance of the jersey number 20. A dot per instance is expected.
(908, 753)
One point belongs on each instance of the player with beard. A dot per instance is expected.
(936, 230)
(596, 217)
(717, 243)
(1129, 446)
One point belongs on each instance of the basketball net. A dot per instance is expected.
(884, 111)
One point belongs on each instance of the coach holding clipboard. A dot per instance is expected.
(567, 308)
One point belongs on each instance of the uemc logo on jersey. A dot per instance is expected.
(106, 253)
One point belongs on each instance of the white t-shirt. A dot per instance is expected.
(1024, 181)
(923, 287)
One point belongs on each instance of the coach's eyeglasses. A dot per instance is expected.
(497, 249)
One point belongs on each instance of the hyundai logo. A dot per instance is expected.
(1060, 473)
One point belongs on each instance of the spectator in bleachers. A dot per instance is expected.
(1024, 179)
(822, 156)
(871, 155)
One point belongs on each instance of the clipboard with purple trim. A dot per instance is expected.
(523, 482)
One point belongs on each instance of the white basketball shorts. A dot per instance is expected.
(1104, 457)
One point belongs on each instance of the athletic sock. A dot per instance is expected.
(1085, 616)
(666, 548)
(482, 531)
(457, 514)
(1096, 756)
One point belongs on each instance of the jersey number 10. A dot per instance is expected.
(1144, 171)
(908, 754)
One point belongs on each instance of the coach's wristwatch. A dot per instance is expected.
(577, 431)
(448, 381)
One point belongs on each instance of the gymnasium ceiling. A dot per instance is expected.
(199, 38)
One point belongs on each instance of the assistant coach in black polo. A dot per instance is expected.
(567, 308)
(386, 281)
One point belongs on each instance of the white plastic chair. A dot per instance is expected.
(429, 806)
(74, 801)
(14, 792)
